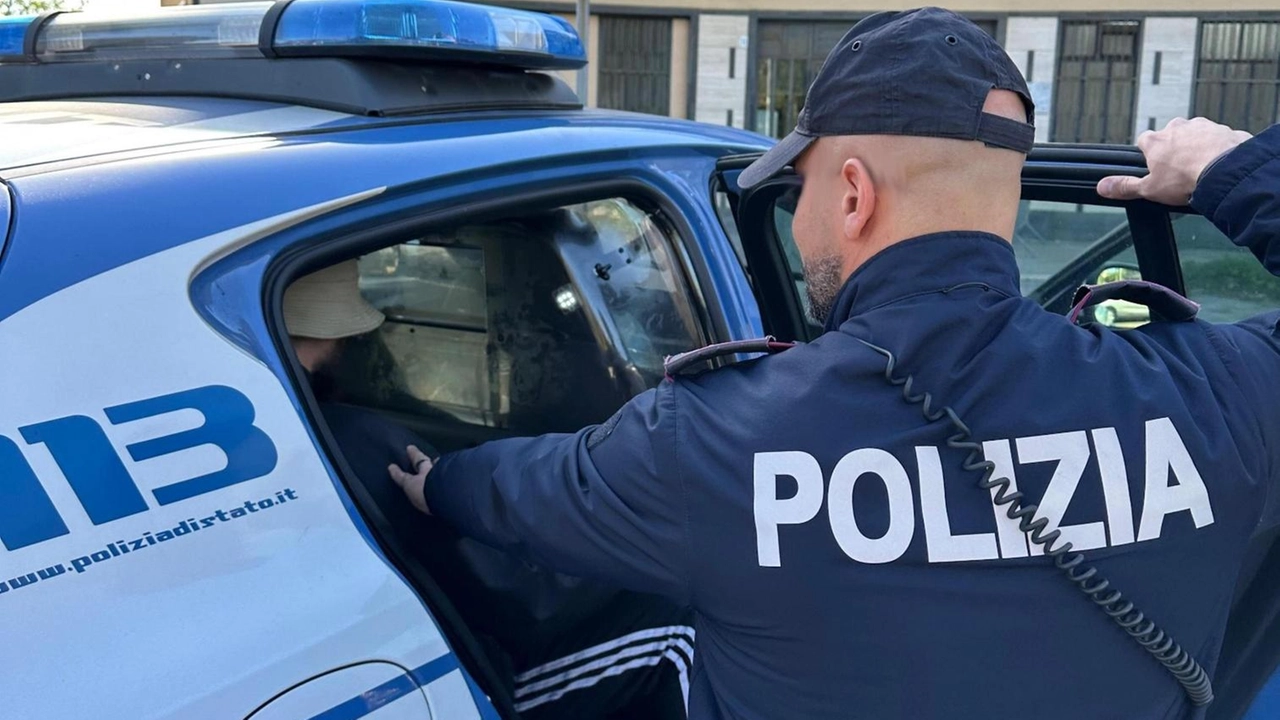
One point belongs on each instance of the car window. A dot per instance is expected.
(541, 323)
(724, 211)
(1061, 246)
(1228, 281)
(428, 283)
(637, 282)
(1052, 236)
(783, 213)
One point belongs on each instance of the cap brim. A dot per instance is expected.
(772, 162)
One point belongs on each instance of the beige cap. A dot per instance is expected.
(327, 305)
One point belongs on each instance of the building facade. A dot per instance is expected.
(1102, 72)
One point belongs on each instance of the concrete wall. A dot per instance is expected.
(680, 29)
(1175, 40)
(1032, 43)
(719, 94)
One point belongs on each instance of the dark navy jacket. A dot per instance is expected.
(842, 562)
(522, 608)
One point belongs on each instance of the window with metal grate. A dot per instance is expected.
(1096, 86)
(1238, 73)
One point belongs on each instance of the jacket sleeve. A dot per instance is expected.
(1240, 194)
(606, 503)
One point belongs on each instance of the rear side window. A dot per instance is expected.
(541, 323)
(1228, 281)
(436, 335)
(1051, 236)
(429, 284)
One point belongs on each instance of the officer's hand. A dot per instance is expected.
(1176, 157)
(414, 485)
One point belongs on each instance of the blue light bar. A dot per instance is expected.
(425, 30)
(13, 32)
(173, 33)
(428, 29)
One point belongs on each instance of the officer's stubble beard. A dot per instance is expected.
(822, 284)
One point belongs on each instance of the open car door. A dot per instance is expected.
(1067, 236)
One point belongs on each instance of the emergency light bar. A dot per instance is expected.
(385, 29)
(13, 31)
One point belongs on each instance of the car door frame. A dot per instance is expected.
(1060, 173)
(406, 211)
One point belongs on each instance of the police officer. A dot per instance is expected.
(830, 533)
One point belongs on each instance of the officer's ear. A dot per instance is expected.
(859, 202)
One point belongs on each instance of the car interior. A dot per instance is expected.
(548, 321)
(544, 323)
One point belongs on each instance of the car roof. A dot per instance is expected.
(54, 131)
(53, 135)
(141, 190)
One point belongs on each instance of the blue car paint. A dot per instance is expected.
(1266, 704)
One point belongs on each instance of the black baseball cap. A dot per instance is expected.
(924, 72)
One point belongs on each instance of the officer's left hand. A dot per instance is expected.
(1176, 156)
(414, 485)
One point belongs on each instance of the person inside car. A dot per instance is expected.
(571, 648)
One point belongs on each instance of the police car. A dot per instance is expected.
(181, 538)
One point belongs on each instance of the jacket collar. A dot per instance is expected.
(924, 264)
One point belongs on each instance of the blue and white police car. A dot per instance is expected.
(181, 537)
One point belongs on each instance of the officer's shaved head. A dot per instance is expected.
(918, 122)
(863, 193)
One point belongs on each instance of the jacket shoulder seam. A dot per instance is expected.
(684, 493)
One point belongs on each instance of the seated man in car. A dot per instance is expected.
(572, 648)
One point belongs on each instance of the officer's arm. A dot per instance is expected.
(1234, 181)
(606, 503)
(1240, 194)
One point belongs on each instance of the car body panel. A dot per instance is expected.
(398, 697)
(216, 597)
(54, 131)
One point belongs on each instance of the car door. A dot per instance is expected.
(1067, 236)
